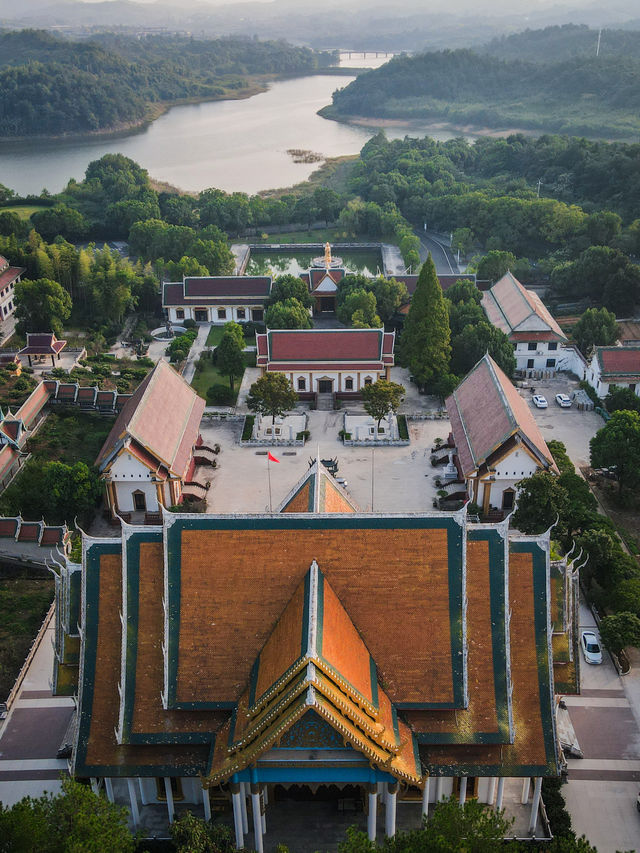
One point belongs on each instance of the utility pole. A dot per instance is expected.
(598, 46)
(539, 185)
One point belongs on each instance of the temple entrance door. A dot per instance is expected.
(139, 502)
(202, 315)
(472, 787)
(345, 797)
(325, 386)
(327, 304)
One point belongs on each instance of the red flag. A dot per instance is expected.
(271, 457)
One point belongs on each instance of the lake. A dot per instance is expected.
(232, 145)
(271, 262)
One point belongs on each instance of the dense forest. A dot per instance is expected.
(553, 44)
(579, 95)
(51, 86)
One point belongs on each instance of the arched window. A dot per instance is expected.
(302, 384)
(348, 384)
(368, 380)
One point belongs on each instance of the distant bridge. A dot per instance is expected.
(365, 54)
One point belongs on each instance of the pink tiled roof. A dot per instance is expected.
(9, 275)
(618, 361)
(163, 416)
(485, 411)
(508, 305)
(42, 344)
(34, 404)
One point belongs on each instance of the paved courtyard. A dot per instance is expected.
(387, 479)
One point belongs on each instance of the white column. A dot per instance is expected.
(463, 790)
(526, 785)
(390, 809)
(492, 790)
(265, 795)
(257, 818)
(535, 805)
(133, 799)
(206, 802)
(108, 786)
(237, 817)
(372, 817)
(169, 794)
(439, 782)
(243, 804)
(262, 811)
(94, 785)
(143, 796)
(500, 793)
(425, 798)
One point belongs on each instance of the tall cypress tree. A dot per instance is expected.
(424, 346)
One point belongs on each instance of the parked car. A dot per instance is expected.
(563, 400)
(591, 647)
(539, 401)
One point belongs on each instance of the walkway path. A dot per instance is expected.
(440, 252)
(33, 732)
(195, 352)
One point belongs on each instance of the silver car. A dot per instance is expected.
(591, 647)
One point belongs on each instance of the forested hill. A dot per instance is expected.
(553, 44)
(580, 96)
(51, 86)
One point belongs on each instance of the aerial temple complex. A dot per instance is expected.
(236, 658)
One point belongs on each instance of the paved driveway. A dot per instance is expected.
(570, 426)
(602, 788)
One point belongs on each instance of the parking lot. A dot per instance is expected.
(570, 426)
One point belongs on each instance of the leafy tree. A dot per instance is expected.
(73, 820)
(390, 296)
(596, 327)
(358, 308)
(468, 347)
(229, 356)
(603, 274)
(289, 314)
(463, 240)
(41, 306)
(235, 330)
(381, 398)
(60, 219)
(272, 394)
(618, 443)
(494, 265)
(289, 287)
(578, 511)
(11, 223)
(620, 630)
(621, 398)
(626, 596)
(191, 834)
(541, 499)
(425, 342)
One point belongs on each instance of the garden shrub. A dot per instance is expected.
(220, 395)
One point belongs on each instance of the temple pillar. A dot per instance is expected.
(169, 795)
(257, 817)
(526, 787)
(243, 804)
(373, 812)
(492, 790)
(108, 786)
(535, 805)
(263, 810)
(236, 798)
(425, 798)
(133, 800)
(143, 797)
(390, 809)
(206, 802)
(500, 793)
(439, 782)
(463, 790)
(94, 785)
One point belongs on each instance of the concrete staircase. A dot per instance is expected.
(325, 403)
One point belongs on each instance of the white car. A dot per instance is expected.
(539, 401)
(591, 647)
(563, 400)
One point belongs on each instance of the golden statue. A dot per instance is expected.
(327, 255)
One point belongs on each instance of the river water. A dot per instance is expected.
(232, 145)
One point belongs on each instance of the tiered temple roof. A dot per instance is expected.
(519, 313)
(330, 349)
(413, 644)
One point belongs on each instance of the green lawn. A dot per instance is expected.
(24, 211)
(70, 436)
(23, 605)
(215, 336)
(209, 375)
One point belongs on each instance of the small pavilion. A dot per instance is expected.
(42, 345)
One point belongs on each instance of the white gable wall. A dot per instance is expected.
(129, 475)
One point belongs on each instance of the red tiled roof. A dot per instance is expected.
(330, 346)
(618, 361)
(86, 393)
(318, 275)
(52, 536)
(41, 344)
(9, 275)
(241, 285)
(10, 428)
(508, 306)
(34, 403)
(163, 416)
(485, 411)
(29, 531)
(282, 367)
(8, 526)
(8, 456)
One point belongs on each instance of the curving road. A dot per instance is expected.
(442, 255)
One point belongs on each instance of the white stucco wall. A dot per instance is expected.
(312, 378)
(231, 312)
(128, 476)
(513, 468)
(539, 356)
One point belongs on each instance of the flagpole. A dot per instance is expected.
(269, 479)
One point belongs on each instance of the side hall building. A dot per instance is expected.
(327, 361)
(216, 299)
(314, 652)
